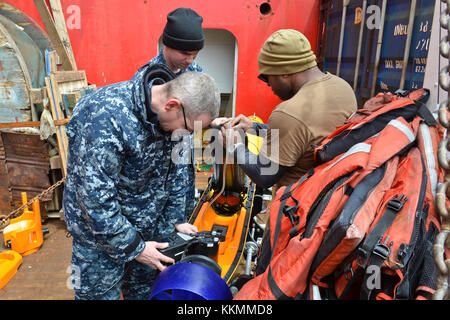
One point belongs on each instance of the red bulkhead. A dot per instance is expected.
(111, 39)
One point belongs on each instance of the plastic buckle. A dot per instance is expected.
(290, 211)
(382, 250)
(349, 273)
(402, 93)
(396, 203)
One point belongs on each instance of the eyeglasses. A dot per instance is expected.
(184, 117)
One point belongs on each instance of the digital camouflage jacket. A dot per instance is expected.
(122, 188)
(190, 189)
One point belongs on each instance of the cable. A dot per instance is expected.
(229, 135)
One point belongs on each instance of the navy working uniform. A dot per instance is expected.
(122, 188)
(190, 190)
(159, 59)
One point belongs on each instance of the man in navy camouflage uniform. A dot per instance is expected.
(182, 39)
(98, 262)
(123, 188)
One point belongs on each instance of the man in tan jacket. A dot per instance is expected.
(314, 104)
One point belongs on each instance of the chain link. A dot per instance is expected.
(5, 219)
(442, 241)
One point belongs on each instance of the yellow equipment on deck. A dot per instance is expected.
(10, 261)
(24, 234)
(226, 208)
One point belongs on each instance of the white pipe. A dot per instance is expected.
(341, 37)
(358, 54)
(412, 13)
(379, 45)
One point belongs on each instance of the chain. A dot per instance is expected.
(4, 219)
(442, 195)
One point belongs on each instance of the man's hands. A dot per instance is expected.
(232, 131)
(152, 257)
(219, 121)
(186, 228)
(155, 259)
(241, 122)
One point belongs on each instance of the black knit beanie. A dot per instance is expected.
(183, 30)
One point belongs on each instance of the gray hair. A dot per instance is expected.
(198, 92)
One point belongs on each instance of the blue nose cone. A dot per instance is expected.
(189, 281)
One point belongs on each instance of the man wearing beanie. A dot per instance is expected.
(182, 38)
(315, 103)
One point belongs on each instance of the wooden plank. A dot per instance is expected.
(60, 23)
(55, 99)
(38, 95)
(71, 81)
(52, 61)
(70, 99)
(30, 124)
(55, 162)
(54, 34)
(70, 76)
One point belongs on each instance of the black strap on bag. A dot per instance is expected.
(372, 240)
(277, 292)
(374, 250)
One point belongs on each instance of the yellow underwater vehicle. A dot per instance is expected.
(207, 263)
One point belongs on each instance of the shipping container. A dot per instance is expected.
(377, 45)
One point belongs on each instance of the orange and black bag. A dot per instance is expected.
(361, 223)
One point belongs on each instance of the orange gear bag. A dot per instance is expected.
(360, 224)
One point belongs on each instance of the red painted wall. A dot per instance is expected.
(112, 38)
